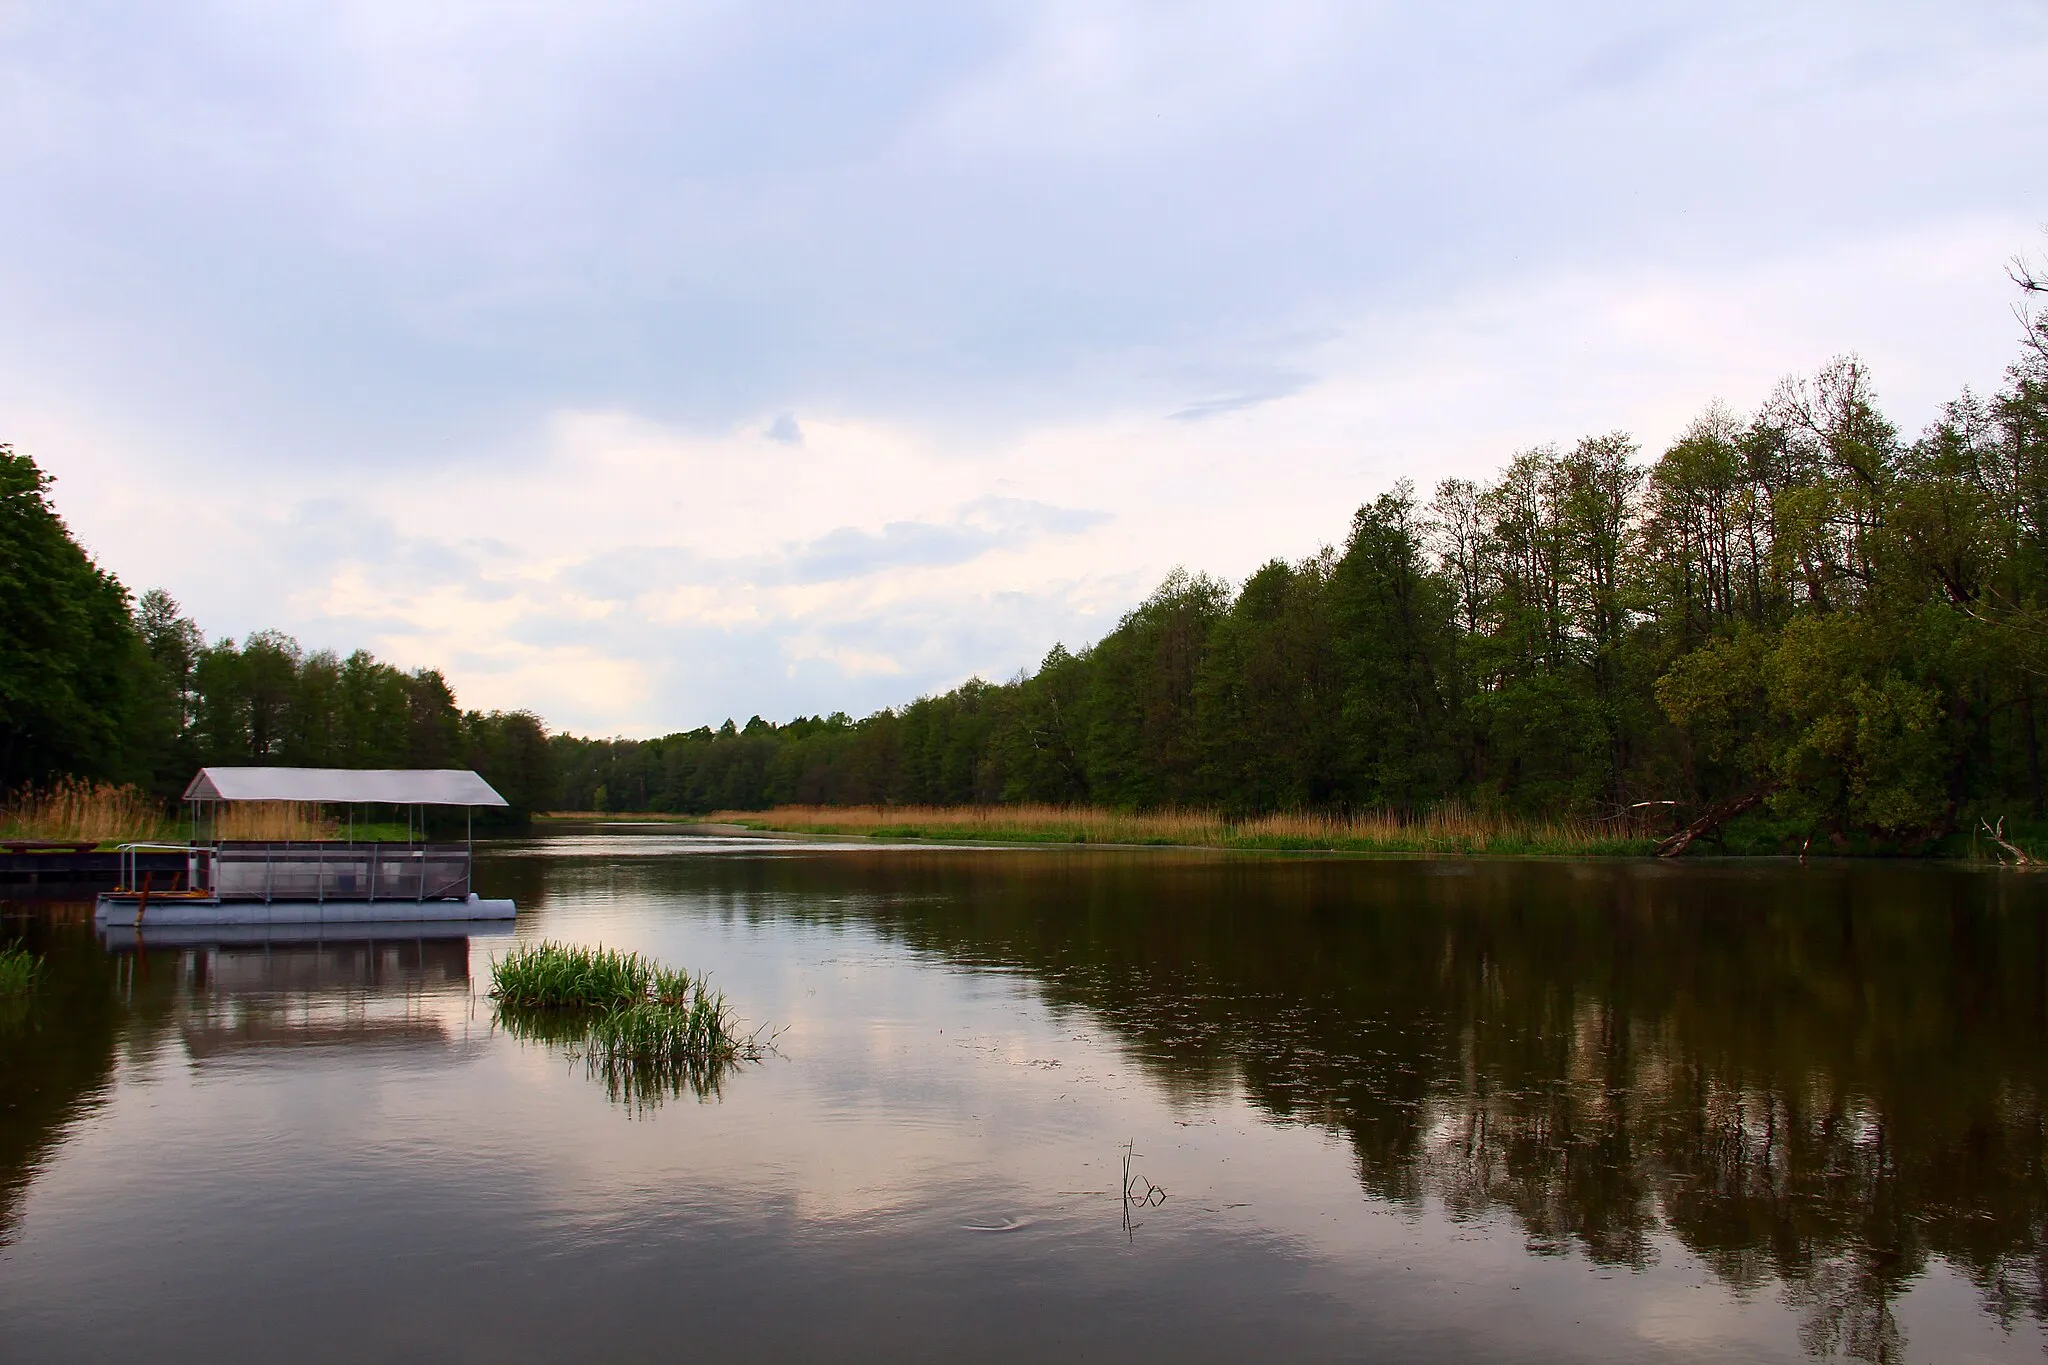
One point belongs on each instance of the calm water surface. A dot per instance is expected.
(1391, 1110)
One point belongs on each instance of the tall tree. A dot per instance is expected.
(1395, 622)
(72, 670)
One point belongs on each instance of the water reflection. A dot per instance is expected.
(637, 1084)
(1822, 1083)
(251, 999)
(226, 995)
(1823, 1078)
(56, 1045)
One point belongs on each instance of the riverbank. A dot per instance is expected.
(1452, 831)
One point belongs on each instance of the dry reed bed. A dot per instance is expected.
(77, 810)
(1446, 830)
(297, 821)
(73, 809)
(630, 816)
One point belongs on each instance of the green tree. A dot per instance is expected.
(1268, 693)
(72, 669)
(1142, 745)
(1394, 616)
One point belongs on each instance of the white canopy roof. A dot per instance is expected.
(344, 786)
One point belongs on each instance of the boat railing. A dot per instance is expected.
(197, 860)
(321, 872)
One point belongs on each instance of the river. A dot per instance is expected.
(1039, 1103)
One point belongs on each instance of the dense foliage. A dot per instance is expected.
(69, 670)
(267, 700)
(1798, 605)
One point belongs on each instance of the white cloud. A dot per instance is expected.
(480, 337)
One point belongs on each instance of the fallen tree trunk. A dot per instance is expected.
(2019, 856)
(1714, 819)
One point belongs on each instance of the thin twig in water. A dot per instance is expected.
(1151, 1196)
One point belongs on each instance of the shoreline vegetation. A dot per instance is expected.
(73, 810)
(1797, 629)
(1448, 831)
(1802, 626)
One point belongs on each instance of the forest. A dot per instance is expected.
(95, 685)
(1799, 609)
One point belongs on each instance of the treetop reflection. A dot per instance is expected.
(1820, 1081)
(1818, 1077)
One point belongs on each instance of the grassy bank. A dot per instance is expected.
(1451, 830)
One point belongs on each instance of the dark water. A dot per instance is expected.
(1397, 1110)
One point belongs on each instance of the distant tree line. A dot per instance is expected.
(267, 700)
(92, 685)
(1798, 608)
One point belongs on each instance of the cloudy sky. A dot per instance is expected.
(649, 363)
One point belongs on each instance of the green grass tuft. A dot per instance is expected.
(18, 970)
(645, 1030)
(561, 976)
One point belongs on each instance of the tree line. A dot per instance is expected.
(94, 685)
(1797, 607)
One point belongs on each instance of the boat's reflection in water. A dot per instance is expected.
(244, 992)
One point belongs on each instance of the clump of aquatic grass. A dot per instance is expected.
(645, 1051)
(562, 976)
(18, 970)
(647, 1031)
(1449, 829)
(703, 1025)
(74, 809)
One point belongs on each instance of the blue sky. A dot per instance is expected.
(649, 364)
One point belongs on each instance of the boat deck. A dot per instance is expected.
(130, 911)
(301, 883)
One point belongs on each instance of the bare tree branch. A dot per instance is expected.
(2032, 280)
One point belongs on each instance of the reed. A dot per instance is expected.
(18, 970)
(634, 816)
(75, 809)
(647, 1051)
(272, 822)
(647, 1031)
(562, 976)
(1444, 830)
(653, 1031)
